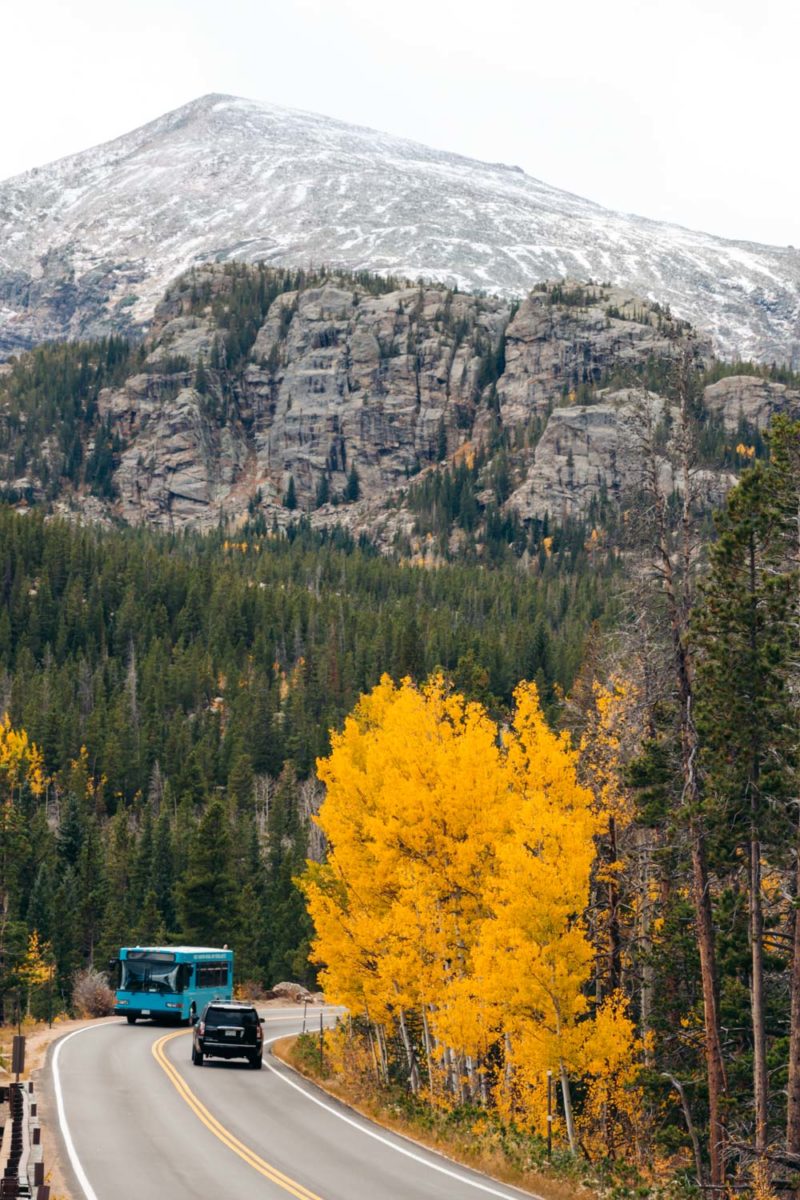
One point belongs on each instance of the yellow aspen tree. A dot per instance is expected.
(21, 777)
(415, 790)
(20, 761)
(37, 968)
(455, 889)
(610, 1057)
(534, 955)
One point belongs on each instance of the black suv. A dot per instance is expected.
(228, 1030)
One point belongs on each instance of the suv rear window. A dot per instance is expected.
(242, 1018)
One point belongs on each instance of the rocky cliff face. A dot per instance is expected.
(603, 452)
(348, 393)
(88, 244)
(342, 388)
(381, 384)
(567, 340)
(750, 399)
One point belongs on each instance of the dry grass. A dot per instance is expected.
(457, 1148)
(38, 1037)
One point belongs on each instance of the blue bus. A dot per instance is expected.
(171, 982)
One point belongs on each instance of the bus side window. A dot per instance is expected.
(212, 975)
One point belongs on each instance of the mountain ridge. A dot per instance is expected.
(406, 414)
(88, 243)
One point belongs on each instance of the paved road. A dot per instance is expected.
(139, 1122)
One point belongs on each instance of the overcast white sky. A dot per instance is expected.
(684, 110)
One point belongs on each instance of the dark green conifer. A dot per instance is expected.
(206, 893)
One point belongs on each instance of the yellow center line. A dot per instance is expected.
(225, 1136)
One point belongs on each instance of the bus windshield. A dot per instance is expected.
(153, 974)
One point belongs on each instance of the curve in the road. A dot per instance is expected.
(385, 1141)
(72, 1153)
(225, 1136)
(182, 1163)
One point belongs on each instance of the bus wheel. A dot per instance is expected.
(130, 1018)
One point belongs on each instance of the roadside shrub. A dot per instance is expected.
(307, 1057)
(91, 994)
(250, 990)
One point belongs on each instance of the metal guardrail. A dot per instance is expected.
(21, 1151)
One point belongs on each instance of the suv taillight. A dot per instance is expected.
(201, 1028)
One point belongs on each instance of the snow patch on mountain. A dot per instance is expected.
(88, 243)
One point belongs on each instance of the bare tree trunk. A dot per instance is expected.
(614, 934)
(760, 1079)
(687, 1116)
(484, 1089)
(645, 941)
(793, 1088)
(383, 1073)
(413, 1070)
(793, 1101)
(566, 1096)
(471, 1078)
(461, 1079)
(381, 1032)
(508, 1070)
(678, 593)
(374, 1053)
(715, 1069)
(446, 1071)
(428, 1050)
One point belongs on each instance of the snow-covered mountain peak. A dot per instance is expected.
(88, 243)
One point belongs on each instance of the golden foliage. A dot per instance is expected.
(762, 1188)
(609, 722)
(20, 760)
(38, 966)
(457, 876)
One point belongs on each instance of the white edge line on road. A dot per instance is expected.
(88, 1190)
(72, 1153)
(90, 1193)
(385, 1141)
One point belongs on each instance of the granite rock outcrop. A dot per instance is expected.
(347, 393)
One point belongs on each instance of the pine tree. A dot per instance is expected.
(200, 377)
(745, 710)
(785, 472)
(206, 893)
(162, 874)
(323, 490)
(353, 488)
(287, 843)
(147, 929)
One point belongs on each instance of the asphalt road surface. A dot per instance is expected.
(139, 1122)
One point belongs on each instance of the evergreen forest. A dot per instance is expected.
(179, 691)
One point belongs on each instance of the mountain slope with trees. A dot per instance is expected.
(179, 690)
(436, 423)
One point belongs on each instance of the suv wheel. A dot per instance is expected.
(197, 1056)
(256, 1062)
